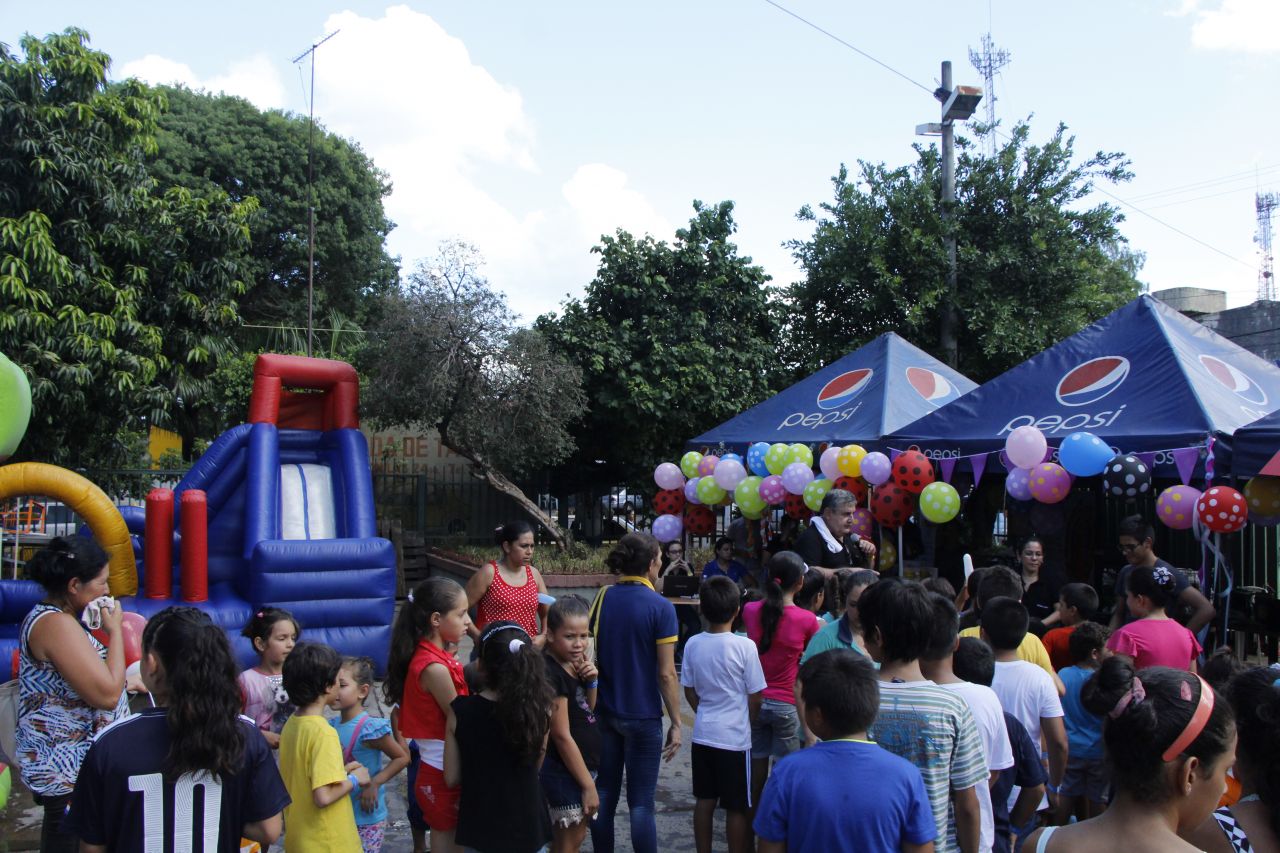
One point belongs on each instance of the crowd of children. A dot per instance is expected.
(887, 727)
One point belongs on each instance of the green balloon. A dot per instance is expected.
(802, 453)
(814, 492)
(778, 457)
(940, 502)
(689, 463)
(747, 495)
(15, 406)
(710, 493)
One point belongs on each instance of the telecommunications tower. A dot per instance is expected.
(988, 63)
(1265, 203)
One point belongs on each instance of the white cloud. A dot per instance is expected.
(254, 79)
(459, 147)
(1250, 26)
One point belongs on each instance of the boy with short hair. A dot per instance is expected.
(936, 664)
(724, 683)
(928, 725)
(1086, 774)
(1025, 690)
(845, 793)
(974, 662)
(1077, 603)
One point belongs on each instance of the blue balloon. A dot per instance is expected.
(1084, 454)
(755, 459)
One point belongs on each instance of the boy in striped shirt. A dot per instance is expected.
(926, 724)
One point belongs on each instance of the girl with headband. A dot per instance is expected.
(1169, 741)
(494, 745)
(1152, 638)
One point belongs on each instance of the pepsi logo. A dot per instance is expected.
(839, 391)
(1089, 382)
(1234, 379)
(935, 388)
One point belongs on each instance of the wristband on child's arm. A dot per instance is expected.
(593, 684)
(355, 783)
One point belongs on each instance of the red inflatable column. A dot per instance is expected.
(195, 546)
(157, 552)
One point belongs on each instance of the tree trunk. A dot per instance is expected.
(482, 469)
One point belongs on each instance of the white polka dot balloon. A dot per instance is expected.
(1222, 509)
(1126, 476)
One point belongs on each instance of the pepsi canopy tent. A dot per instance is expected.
(1255, 448)
(1144, 378)
(871, 391)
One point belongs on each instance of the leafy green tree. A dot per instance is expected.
(115, 297)
(209, 142)
(1033, 265)
(671, 339)
(444, 354)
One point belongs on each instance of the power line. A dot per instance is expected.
(855, 49)
(1200, 198)
(1250, 177)
(1172, 228)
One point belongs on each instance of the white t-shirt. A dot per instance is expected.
(1028, 693)
(723, 669)
(989, 717)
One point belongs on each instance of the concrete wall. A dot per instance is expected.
(1255, 327)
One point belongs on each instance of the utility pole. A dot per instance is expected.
(1265, 203)
(311, 208)
(958, 103)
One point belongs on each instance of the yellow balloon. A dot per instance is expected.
(888, 555)
(849, 460)
(1263, 495)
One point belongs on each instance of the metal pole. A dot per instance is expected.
(950, 320)
(311, 209)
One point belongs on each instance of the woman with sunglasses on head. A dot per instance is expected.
(1169, 741)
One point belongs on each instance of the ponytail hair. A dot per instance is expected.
(515, 670)
(203, 706)
(1255, 697)
(632, 555)
(1155, 582)
(65, 559)
(1144, 713)
(413, 623)
(510, 532)
(784, 568)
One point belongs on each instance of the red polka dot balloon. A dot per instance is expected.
(698, 520)
(892, 505)
(795, 507)
(912, 471)
(1222, 509)
(854, 485)
(668, 502)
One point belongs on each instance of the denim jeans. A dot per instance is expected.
(636, 746)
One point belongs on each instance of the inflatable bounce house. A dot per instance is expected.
(279, 511)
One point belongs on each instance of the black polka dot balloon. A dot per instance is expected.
(1126, 476)
(913, 471)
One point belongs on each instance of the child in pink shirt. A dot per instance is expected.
(780, 631)
(1153, 639)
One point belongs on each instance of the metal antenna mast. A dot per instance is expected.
(988, 63)
(311, 209)
(1265, 203)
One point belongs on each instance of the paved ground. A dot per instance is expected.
(20, 821)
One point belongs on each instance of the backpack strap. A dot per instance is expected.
(348, 754)
(593, 615)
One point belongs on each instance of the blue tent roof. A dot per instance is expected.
(1145, 378)
(1255, 448)
(871, 391)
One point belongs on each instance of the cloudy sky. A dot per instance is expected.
(530, 129)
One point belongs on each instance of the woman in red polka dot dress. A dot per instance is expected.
(507, 589)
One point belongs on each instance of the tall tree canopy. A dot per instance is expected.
(671, 338)
(1033, 266)
(221, 142)
(116, 296)
(444, 354)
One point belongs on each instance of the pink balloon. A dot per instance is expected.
(691, 491)
(707, 466)
(1018, 484)
(668, 476)
(729, 473)
(667, 527)
(828, 463)
(1026, 447)
(772, 490)
(862, 522)
(1176, 507)
(1049, 482)
(796, 476)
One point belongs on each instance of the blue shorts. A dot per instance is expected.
(776, 731)
(564, 795)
